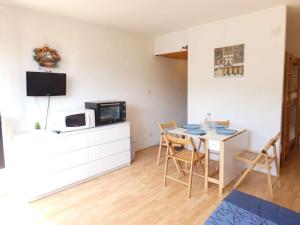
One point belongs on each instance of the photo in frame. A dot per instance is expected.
(229, 61)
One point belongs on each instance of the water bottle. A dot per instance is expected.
(207, 120)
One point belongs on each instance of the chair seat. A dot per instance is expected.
(249, 157)
(176, 146)
(261, 161)
(186, 155)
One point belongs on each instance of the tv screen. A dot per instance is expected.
(45, 84)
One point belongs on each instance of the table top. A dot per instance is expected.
(210, 134)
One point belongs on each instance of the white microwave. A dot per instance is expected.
(75, 120)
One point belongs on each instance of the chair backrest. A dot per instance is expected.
(171, 141)
(270, 143)
(222, 122)
(167, 125)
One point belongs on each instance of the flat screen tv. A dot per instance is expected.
(45, 84)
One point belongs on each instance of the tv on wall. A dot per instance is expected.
(45, 84)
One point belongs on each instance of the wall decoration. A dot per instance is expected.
(46, 57)
(229, 61)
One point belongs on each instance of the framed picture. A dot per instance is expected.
(229, 61)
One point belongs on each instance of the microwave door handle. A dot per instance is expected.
(111, 104)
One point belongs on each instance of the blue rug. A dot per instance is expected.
(242, 209)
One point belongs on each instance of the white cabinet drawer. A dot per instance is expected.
(59, 180)
(108, 149)
(67, 143)
(108, 135)
(108, 163)
(70, 176)
(64, 161)
(214, 145)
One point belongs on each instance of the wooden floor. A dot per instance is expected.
(136, 195)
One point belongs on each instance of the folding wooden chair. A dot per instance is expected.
(185, 155)
(163, 128)
(262, 159)
(224, 123)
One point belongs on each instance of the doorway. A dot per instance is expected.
(178, 66)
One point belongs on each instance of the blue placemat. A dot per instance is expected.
(226, 131)
(219, 126)
(191, 126)
(195, 132)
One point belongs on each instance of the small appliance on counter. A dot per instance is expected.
(108, 112)
(74, 120)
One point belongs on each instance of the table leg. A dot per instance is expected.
(199, 146)
(220, 190)
(206, 150)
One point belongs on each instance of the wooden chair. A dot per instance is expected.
(163, 127)
(222, 122)
(261, 158)
(187, 156)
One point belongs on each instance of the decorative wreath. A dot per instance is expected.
(46, 57)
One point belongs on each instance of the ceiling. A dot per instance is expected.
(154, 17)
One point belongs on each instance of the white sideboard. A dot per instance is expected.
(46, 162)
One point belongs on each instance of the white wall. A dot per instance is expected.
(253, 101)
(101, 64)
(171, 42)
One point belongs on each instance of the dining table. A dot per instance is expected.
(219, 147)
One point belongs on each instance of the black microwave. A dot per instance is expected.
(108, 112)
